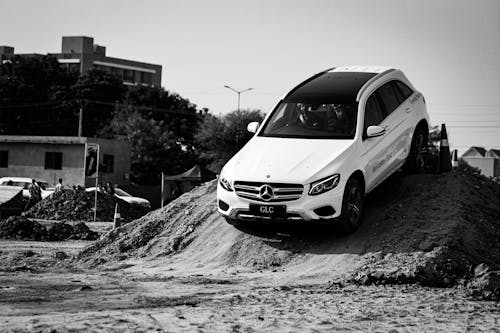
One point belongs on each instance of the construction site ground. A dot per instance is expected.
(417, 264)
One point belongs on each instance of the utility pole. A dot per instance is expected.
(80, 119)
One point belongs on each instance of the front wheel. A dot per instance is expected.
(415, 162)
(352, 205)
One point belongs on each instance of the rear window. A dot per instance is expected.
(403, 89)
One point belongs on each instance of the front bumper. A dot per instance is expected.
(302, 210)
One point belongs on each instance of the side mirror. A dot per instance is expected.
(253, 126)
(374, 131)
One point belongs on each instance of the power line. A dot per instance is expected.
(466, 105)
(91, 101)
(472, 126)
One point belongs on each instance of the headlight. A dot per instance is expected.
(324, 185)
(225, 183)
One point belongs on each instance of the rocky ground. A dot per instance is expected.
(427, 258)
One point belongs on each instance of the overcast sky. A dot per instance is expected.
(449, 49)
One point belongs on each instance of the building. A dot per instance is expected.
(79, 53)
(486, 161)
(54, 157)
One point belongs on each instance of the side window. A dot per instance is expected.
(389, 98)
(403, 89)
(4, 158)
(373, 112)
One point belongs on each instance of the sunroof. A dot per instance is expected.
(330, 87)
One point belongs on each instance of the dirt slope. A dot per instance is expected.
(432, 229)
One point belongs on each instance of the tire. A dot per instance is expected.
(353, 203)
(415, 162)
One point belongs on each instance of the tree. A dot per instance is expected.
(30, 96)
(219, 139)
(97, 92)
(155, 146)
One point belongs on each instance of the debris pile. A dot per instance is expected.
(16, 227)
(485, 284)
(21, 228)
(78, 205)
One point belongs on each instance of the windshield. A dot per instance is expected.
(312, 120)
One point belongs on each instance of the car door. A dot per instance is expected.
(374, 149)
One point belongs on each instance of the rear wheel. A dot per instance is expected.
(352, 205)
(415, 162)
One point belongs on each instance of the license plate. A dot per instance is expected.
(268, 210)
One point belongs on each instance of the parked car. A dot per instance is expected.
(325, 145)
(126, 197)
(24, 182)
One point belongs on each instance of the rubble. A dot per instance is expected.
(16, 227)
(485, 285)
(22, 228)
(78, 205)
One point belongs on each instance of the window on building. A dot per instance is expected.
(74, 67)
(108, 163)
(4, 158)
(146, 78)
(53, 160)
(129, 75)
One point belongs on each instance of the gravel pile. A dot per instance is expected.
(74, 205)
(21, 228)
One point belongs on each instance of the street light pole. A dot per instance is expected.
(238, 92)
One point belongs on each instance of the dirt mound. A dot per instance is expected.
(440, 230)
(21, 228)
(160, 232)
(79, 206)
(16, 227)
(428, 229)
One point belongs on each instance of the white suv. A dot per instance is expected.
(327, 143)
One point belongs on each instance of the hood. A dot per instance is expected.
(285, 160)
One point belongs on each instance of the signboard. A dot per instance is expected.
(91, 160)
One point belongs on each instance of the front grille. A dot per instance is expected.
(281, 192)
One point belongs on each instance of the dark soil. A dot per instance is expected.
(21, 228)
(79, 206)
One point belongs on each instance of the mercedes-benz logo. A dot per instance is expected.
(266, 192)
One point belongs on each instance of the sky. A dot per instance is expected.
(449, 49)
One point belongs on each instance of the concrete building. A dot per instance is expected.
(79, 53)
(486, 161)
(53, 157)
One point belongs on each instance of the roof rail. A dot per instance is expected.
(367, 83)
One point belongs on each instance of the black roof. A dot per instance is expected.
(330, 87)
